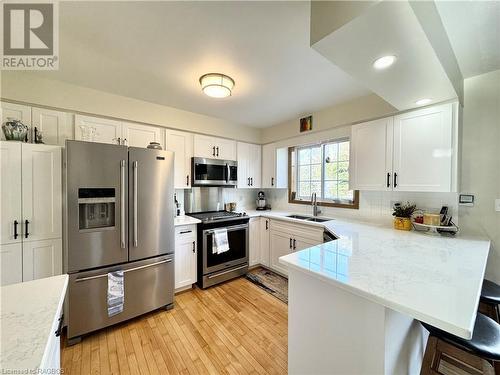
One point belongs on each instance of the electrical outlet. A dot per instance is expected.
(497, 205)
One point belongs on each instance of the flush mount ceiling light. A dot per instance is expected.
(423, 101)
(216, 85)
(384, 62)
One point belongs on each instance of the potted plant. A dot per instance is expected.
(402, 215)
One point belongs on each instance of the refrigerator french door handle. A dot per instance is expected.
(125, 271)
(122, 204)
(136, 171)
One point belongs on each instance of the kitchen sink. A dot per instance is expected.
(317, 219)
(308, 218)
(300, 217)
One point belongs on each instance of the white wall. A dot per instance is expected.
(29, 88)
(481, 162)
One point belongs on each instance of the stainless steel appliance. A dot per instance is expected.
(214, 268)
(214, 172)
(119, 216)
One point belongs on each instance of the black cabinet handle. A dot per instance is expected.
(15, 229)
(294, 244)
(187, 180)
(217, 150)
(185, 231)
(251, 181)
(59, 327)
(194, 247)
(395, 179)
(267, 224)
(248, 183)
(26, 233)
(272, 181)
(291, 243)
(388, 179)
(213, 151)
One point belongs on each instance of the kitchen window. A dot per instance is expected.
(322, 169)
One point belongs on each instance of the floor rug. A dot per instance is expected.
(270, 281)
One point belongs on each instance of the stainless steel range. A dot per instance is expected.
(119, 217)
(213, 267)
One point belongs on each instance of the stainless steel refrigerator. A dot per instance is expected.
(119, 216)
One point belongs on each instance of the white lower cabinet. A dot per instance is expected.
(265, 229)
(286, 238)
(254, 256)
(11, 263)
(185, 256)
(42, 259)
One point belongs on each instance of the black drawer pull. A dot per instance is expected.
(267, 224)
(290, 243)
(294, 243)
(213, 151)
(194, 246)
(187, 180)
(185, 231)
(395, 179)
(15, 229)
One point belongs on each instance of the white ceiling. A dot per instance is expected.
(156, 51)
(473, 28)
(389, 28)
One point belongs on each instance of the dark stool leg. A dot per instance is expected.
(428, 363)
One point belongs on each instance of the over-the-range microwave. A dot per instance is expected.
(214, 172)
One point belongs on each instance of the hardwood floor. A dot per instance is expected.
(233, 328)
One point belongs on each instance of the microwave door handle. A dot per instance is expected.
(136, 171)
(228, 170)
(122, 204)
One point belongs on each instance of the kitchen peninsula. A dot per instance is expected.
(355, 303)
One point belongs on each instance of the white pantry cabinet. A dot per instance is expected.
(181, 143)
(106, 130)
(414, 151)
(249, 158)
(138, 135)
(274, 167)
(185, 256)
(30, 210)
(15, 111)
(214, 148)
(254, 256)
(56, 126)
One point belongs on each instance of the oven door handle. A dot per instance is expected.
(227, 271)
(229, 229)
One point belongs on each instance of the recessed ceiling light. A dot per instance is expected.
(384, 62)
(423, 101)
(216, 85)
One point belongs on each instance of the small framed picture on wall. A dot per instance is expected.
(306, 124)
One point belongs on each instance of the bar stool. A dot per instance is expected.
(490, 300)
(479, 355)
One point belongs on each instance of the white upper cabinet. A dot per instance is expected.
(15, 111)
(414, 151)
(214, 148)
(138, 135)
(371, 155)
(105, 130)
(55, 126)
(249, 165)
(10, 192)
(41, 192)
(274, 167)
(181, 143)
(424, 150)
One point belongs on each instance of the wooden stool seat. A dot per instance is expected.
(490, 293)
(485, 340)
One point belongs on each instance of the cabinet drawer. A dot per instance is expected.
(312, 232)
(185, 233)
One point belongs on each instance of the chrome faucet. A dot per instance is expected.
(314, 203)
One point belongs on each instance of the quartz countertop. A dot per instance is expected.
(431, 278)
(28, 313)
(185, 220)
